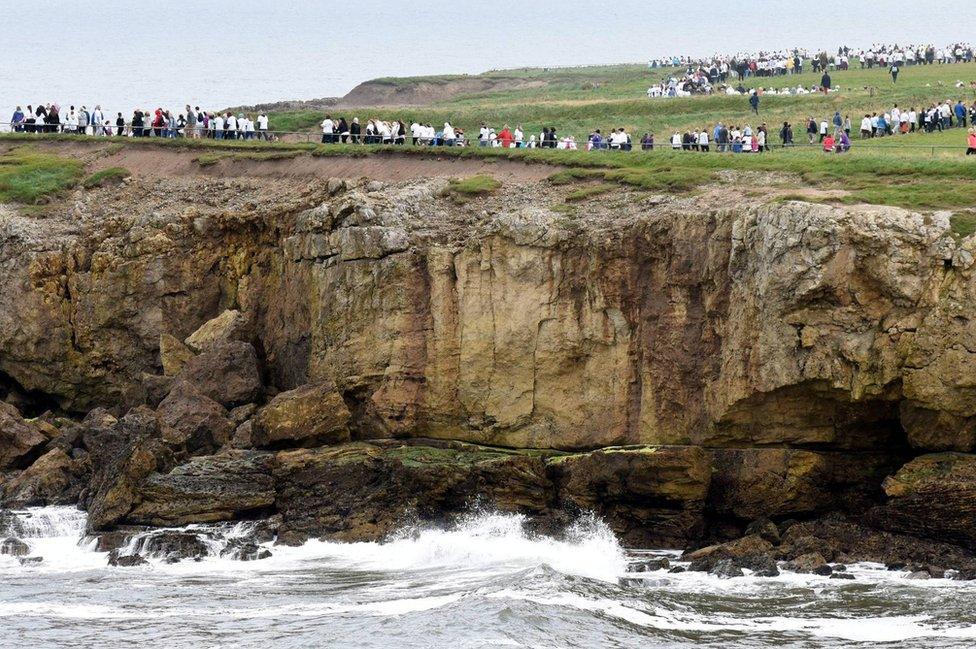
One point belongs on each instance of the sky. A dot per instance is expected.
(232, 52)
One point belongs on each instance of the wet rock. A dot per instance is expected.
(20, 440)
(745, 547)
(677, 570)
(839, 567)
(206, 489)
(363, 491)
(650, 565)
(764, 529)
(842, 575)
(312, 415)
(762, 565)
(896, 566)
(193, 421)
(824, 570)
(933, 496)
(227, 373)
(921, 574)
(650, 496)
(726, 569)
(243, 550)
(228, 326)
(54, 479)
(14, 547)
(125, 560)
(30, 561)
(173, 355)
(173, 546)
(807, 563)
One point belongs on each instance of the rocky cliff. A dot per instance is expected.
(343, 353)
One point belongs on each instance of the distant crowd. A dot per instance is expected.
(192, 123)
(718, 73)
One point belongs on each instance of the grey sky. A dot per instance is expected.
(243, 51)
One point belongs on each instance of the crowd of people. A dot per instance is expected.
(192, 123)
(719, 73)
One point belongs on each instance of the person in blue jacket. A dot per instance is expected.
(960, 111)
(754, 101)
(18, 120)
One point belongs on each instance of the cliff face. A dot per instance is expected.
(810, 350)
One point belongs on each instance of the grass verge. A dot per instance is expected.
(30, 176)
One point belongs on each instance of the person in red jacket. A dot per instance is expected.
(972, 142)
(506, 137)
(828, 144)
(158, 123)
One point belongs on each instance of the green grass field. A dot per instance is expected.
(577, 100)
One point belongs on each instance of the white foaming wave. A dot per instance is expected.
(864, 629)
(57, 610)
(484, 541)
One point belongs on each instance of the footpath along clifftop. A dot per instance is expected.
(336, 353)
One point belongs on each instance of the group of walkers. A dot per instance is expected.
(936, 117)
(192, 123)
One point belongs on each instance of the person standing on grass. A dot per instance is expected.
(960, 110)
(328, 128)
(811, 129)
(18, 120)
(786, 134)
(823, 129)
(825, 82)
(754, 101)
(703, 140)
(971, 140)
(120, 125)
(894, 72)
(647, 142)
(837, 119)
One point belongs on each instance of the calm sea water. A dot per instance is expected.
(124, 55)
(486, 583)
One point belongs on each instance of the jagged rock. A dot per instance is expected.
(242, 438)
(649, 495)
(206, 489)
(762, 565)
(193, 421)
(311, 415)
(241, 414)
(54, 479)
(842, 575)
(20, 440)
(748, 546)
(228, 326)
(243, 550)
(173, 355)
(677, 570)
(30, 561)
(173, 546)
(726, 569)
(920, 574)
(806, 563)
(933, 496)
(754, 483)
(765, 529)
(125, 560)
(651, 565)
(14, 547)
(227, 372)
(824, 570)
(361, 491)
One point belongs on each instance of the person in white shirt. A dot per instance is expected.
(328, 130)
(230, 127)
(703, 140)
(97, 120)
(867, 130)
(519, 137)
(823, 129)
(676, 141)
(484, 135)
(263, 126)
(218, 127)
(448, 134)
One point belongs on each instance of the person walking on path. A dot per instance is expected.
(894, 72)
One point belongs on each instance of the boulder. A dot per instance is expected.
(933, 496)
(228, 326)
(842, 575)
(648, 495)
(125, 560)
(172, 546)
(206, 489)
(173, 355)
(806, 563)
(312, 415)
(242, 436)
(227, 372)
(726, 569)
(54, 479)
(243, 550)
(765, 529)
(745, 547)
(14, 547)
(363, 491)
(20, 440)
(193, 421)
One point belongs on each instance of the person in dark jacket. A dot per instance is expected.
(354, 131)
(825, 82)
(120, 125)
(754, 101)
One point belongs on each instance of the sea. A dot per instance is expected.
(486, 582)
(123, 55)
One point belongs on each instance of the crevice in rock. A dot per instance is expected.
(30, 403)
